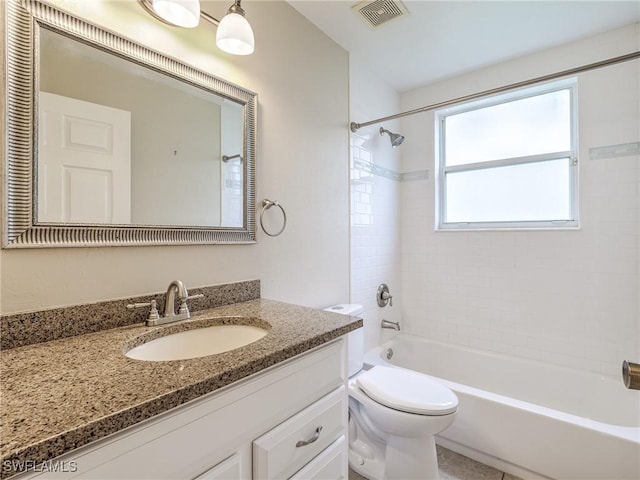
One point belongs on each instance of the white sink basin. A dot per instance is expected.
(198, 342)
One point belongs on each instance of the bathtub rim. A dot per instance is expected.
(376, 356)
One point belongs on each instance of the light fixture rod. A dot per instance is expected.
(209, 18)
(236, 8)
(572, 71)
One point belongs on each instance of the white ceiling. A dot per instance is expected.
(441, 39)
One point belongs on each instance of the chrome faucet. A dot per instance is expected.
(170, 299)
(391, 325)
(169, 316)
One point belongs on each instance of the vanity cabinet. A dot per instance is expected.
(229, 468)
(246, 430)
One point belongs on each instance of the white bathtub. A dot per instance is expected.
(529, 418)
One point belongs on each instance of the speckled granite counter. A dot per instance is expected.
(62, 394)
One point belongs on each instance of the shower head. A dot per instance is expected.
(396, 138)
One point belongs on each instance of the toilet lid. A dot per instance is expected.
(407, 391)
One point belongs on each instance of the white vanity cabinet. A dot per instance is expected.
(246, 430)
(229, 468)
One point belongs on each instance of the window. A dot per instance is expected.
(509, 161)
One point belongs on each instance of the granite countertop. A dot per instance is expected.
(59, 395)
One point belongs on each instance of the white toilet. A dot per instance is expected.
(394, 414)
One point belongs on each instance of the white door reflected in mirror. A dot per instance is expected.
(84, 171)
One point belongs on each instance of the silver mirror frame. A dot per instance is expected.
(22, 20)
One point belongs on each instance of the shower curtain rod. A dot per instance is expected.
(572, 71)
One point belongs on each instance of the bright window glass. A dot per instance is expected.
(532, 192)
(529, 126)
(509, 161)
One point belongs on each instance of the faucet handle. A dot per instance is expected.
(153, 312)
(184, 308)
(387, 296)
(383, 296)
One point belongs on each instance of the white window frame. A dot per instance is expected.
(441, 169)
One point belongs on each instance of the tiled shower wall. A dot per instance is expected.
(565, 297)
(375, 203)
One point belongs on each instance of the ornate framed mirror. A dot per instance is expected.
(110, 143)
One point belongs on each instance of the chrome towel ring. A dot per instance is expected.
(266, 205)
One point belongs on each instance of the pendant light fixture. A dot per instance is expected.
(182, 13)
(234, 33)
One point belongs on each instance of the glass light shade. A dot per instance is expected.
(235, 35)
(182, 13)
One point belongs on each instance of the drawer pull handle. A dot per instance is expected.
(315, 437)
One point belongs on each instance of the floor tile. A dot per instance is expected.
(355, 476)
(454, 466)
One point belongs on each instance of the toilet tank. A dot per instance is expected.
(355, 339)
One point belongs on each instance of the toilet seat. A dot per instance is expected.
(407, 391)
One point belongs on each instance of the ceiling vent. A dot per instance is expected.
(379, 12)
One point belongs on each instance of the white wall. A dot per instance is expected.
(565, 297)
(375, 202)
(301, 78)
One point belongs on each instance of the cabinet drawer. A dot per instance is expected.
(285, 449)
(332, 464)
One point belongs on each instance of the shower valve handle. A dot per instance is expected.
(383, 296)
(386, 296)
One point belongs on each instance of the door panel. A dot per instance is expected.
(84, 162)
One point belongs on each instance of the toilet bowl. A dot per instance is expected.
(393, 416)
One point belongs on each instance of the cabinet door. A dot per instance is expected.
(331, 464)
(228, 469)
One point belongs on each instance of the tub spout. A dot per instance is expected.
(391, 325)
